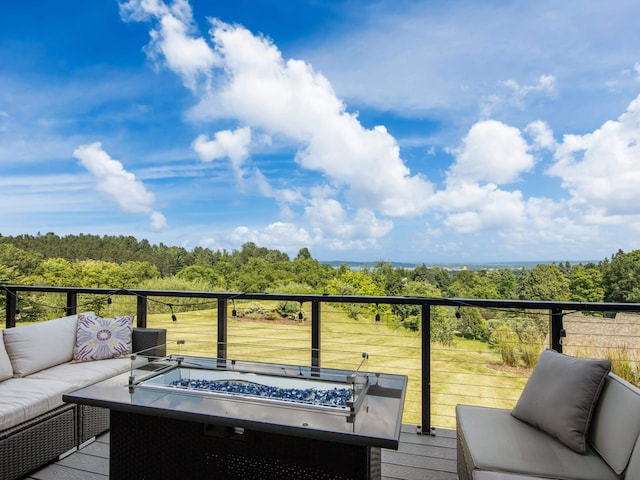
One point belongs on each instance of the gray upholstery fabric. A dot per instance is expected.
(616, 422)
(484, 475)
(633, 469)
(561, 395)
(495, 441)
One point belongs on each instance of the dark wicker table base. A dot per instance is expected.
(151, 447)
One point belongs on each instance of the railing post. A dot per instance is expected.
(425, 427)
(72, 303)
(222, 328)
(141, 317)
(11, 308)
(556, 329)
(315, 334)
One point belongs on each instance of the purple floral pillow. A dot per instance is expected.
(100, 338)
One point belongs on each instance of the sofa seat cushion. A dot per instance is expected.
(35, 347)
(78, 375)
(22, 399)
(6, 370)
(498, 442)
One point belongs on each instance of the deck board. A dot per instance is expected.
(423, 457)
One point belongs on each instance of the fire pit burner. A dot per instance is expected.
(337, 397)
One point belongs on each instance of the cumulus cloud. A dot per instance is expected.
(542, 135)
(257, 87)
(491, 152)
(601, 170)
(119, 185)
(243, 77)
(189, 57)
(225, 144)
(281, 235)
(290, 99)
(491, 155)
(328, 215)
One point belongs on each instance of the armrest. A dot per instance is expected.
(147, 338)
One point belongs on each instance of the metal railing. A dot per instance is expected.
(555, 310)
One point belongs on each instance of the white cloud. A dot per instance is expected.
(287, 98)
(513, 94)
(491, 152)
(280, 235)
(189, 57)
(225, 144)
(542, 135)
(118, 184)
(329, 216)
(472, 208)
(256, 87)
(601, 170)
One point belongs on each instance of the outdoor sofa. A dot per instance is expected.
(42, 361)
(573, 421)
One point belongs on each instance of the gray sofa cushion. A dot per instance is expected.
(561, 395)
(616, 422)
(484, 475)
(498, 442)
(633, 469)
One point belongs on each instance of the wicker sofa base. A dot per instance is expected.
(37, 441)
(92, 421)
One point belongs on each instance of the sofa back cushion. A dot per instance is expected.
(32, 348)
(561, 395)
(6, 370)
(616, 423)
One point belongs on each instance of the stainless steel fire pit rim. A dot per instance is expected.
(353, 377)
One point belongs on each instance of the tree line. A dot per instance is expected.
(125, 262)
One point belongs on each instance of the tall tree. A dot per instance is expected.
(586, 285)
(621, 277)
(545, 282)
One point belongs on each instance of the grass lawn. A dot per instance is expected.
(468, 372)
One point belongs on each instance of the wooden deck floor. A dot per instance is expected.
(418, 457)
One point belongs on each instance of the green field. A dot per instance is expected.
(468, 372)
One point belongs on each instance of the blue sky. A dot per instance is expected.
(397, 130)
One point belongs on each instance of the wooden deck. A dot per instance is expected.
(422, 457)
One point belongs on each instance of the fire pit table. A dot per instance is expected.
(194, 417)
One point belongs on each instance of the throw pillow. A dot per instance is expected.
(101, 338)
(560, 396)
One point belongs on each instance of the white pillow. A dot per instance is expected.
(6, 370)
(35, 347)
